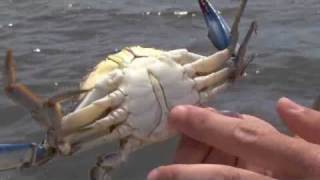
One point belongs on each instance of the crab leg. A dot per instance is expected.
(53, 109)
(234, 34)
(99, 128)
(13, 156)
(102, 88)
(208, 64)
(108, 162)
(10, 70)
(91, 113)
(183, 56)
(239, 59)
(74, 121)
(207, 94)
(90, 109)
(212, 79)
(117, 133)
(47, 113)
(19, 93)
(229, 74)
(215, 61)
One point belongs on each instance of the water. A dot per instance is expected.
(56, 42)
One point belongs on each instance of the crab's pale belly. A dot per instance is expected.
(152, 88)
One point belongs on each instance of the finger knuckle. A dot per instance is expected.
(251, 132)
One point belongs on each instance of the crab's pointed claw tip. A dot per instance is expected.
(243, 68)
(9, 73)
(218, 29)
(9, 58)
(240, 60)
(234, 32)
(244, 45)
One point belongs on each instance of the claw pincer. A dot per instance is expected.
(218, 28)
(222, 37)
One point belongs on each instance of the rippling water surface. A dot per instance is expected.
(56, 42)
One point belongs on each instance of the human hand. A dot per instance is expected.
(244, 147)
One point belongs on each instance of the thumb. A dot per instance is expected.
(303, 121)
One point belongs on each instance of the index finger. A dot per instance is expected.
(249, 138)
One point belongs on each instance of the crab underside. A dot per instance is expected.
(127, 98)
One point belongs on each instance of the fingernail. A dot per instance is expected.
(177, 113)
(231, 113)
(153, 175)
(291, 106)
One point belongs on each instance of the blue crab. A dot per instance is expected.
(127, 98)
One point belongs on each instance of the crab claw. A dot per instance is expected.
(218, 29)
(239, 60)
(222, 37)
(13, 156)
